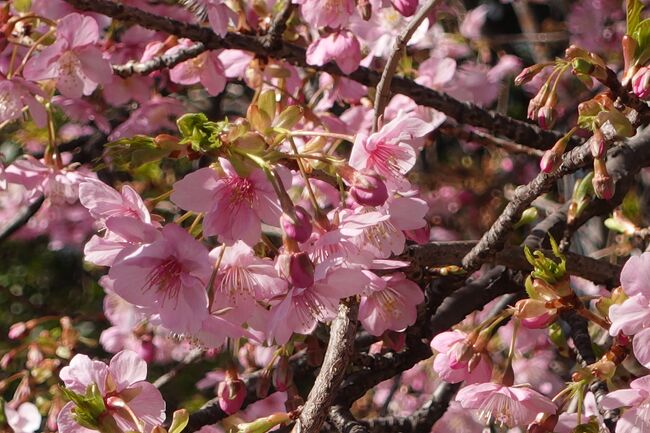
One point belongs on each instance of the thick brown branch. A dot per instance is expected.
(463, 112)
(450, 253)
(337, 357)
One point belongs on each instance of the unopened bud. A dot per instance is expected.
(231, 393)
(598, 144)
(17, 330)
(297, 226)
(641, 83)
(602, 181)
(368, 189)
(405, 7)
(629, 48)
(282, 374)
(529, 73)
(297, 268)
(147, 349)
(544, 423)
(533, 313)
(421, 235)
(546, 117)
(394, 340)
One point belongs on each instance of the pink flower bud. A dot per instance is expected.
(405, 7)
(533, 313)
(297, 268)
(598, 144)
(546, 117)
(550, 161)
(641, 83)
(147, 350)
(282, 374)
(231, 394)
(421, 235)
(17, 330)
(368, 189)
(602, 181)
(299, 227)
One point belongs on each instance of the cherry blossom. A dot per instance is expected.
(73, 60)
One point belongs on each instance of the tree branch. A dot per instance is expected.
(463, 112)
(160, 62)
(337, 357)
(22, 219)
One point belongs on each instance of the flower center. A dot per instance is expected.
(502, 410)
(241, 190)
(165, 279)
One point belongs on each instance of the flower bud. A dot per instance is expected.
(17, 330)
(297, 268)
(421, 235)
(546, 117)
(231, 393)
(602, 181)
(629, 48)
(543, 424)
(368, 189)
(603, 369)
(553, 157)
(297, 226)
(405, 7)
(598, 144)
(147, 350)
(533, 313)
(641, 83)
(394, 340)
(282, 374)
(529, 73)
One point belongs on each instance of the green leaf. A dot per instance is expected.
(202, 134)
(266, 103)
(633, 8)
(642, 35)
(134, 151)
(179, 422)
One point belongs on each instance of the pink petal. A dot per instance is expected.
(127, 368)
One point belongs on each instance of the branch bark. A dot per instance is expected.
(338, 354)
(160, 62)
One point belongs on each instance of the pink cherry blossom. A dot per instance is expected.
(342, 47)
(450, 363)
(389, 151)
(504, 405)
(243, 279)
(58, 184)
(436, 72)
(304, 307)
(635, 402)
(123, 379)
(23, 419)
(17, 93)
(123, 233)
(234, 205)
(73, 60)
(154, 115)
(390, 302)
(205, 68)
(405, 7)
(104, 202)
(169, 276)
(326, 13)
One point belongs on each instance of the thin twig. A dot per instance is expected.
(382, 95)
(22, 219)
(160, 62)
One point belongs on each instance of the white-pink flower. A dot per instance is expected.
(104, 202)
(505, 405)
(389, 151)
(23, 419)
(636, 401)
(206, 68)
(632, 317)
(242, 280)
(341, 46)
(17, 93)
(304, 307)
(121, 383)
(234, 205)
(389, 302)
(74, 61)
(168, 276)
(451, 364)
(326, 13)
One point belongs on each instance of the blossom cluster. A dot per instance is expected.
(240, 236)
